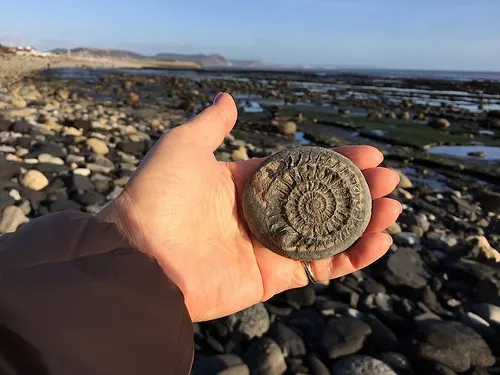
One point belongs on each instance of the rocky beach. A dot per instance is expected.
(70, 138)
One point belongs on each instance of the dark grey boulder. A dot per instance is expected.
(264, 357)
(452, 344)
(344, 336)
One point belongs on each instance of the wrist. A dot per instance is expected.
(122, 214)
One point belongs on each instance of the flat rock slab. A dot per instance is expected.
(307, 203)
(452, 344)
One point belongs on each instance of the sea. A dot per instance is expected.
(452, 75)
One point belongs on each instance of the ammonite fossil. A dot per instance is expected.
(307, 203)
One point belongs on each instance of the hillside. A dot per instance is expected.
(99, 52)
(212, 60)
(205, 60)
(5, 50)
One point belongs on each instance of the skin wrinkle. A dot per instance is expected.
(141, 244)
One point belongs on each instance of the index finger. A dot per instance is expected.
(365, 157)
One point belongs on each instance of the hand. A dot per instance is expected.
(183, 207)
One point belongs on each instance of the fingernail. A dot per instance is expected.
(399, 176)
(400, 208)
(217, 97)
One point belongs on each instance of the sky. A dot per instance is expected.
(405, 34)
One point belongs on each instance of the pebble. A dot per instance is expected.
(82, 171)
(69, 131)
(343, 336)
(34, 180)
(223, 156)
(18, 113)
(239, 154)
(252, 322)
(98, 146)
(18, 102)
(122, 181)
(22, 152)
(115, 193)
(25, 206)
(474, 320)
(289, 341)
(453, 345)
(481, 247)
(237, 142)
(382, 337)
(419, 220)
(438, 240)
(21, 127)
(78, 159)
(81, 183)
(405, 193)
(300, 297)
(11, 157)
(47, 158)
(396, 361)
(135, 148)
(405, 268)
(425, 318)
(6, 200)
(316, 366)
(404, 182)
(487, 311)
(264, 357)
(361, 365)
(394, 228)
(15, 194)
(236, 370)
(406, 239)
(12, 218)
(5, 148)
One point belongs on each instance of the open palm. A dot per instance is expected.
(183, 207)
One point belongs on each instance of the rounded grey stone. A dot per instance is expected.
(307, 203)
(253, 321)
(361, 365)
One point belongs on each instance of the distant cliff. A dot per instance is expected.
(5, 50)
(99, 52)
(213, 60)
(204, 60)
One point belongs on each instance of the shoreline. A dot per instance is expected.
(14, 68)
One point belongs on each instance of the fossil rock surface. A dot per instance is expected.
(307, 203)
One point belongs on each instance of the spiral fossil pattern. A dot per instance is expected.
(307, 203)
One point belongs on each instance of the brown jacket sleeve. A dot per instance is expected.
(77, 299)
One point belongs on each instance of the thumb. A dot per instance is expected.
(213, 124)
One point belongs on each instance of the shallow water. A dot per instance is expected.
(299, 137)
(434, 180)
(486, 132)
(492, 153)
(255, 98)
(379, 132)
(252, 107)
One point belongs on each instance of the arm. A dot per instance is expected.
(76, 298)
